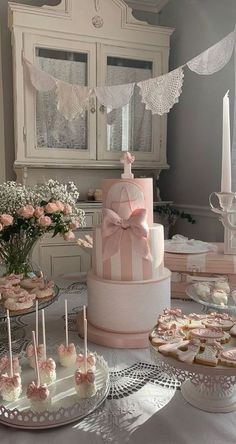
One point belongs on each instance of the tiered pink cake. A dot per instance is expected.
(128, 285)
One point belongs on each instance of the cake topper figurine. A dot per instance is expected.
(127, 159)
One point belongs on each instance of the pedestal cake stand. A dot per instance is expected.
(211, 389)
(209, 305)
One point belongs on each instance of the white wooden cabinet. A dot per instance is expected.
(95, 42)
(57, 257)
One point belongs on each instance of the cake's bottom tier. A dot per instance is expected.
(127, 307)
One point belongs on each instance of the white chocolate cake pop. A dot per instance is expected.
(222, 285)
(85, 383)
(91, 362)
(67, 353)
(5, 364)
(38, 393)
(47, 366)
(10, 384)
(233, 294)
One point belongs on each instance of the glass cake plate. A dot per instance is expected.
(66, 406)
(229, 308)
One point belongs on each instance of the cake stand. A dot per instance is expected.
(16, 326)
(211, 389)
(66, 407)
(210, 305)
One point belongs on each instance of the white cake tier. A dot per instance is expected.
(126, 264)
(127, 307)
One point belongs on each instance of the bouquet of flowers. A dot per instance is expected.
(28, 213)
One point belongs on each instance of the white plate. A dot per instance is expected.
(185, 248)
(66, 406)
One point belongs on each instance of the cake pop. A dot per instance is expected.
(47, 366)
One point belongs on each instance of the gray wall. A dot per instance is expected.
(195, 123)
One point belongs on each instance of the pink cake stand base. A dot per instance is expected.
(111, 339)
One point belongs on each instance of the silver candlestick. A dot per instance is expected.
(227, 215)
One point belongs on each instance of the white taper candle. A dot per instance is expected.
(9, 343)
(226, 148)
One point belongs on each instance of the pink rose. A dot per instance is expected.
(45, 221)
(6, 219)
(39, 211)
(69, 236)
(27, 212)
(51, 207)
(59, 205)
(74, 224)
(67, 209)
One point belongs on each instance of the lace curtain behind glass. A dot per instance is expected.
(53, 130)
(129, 127)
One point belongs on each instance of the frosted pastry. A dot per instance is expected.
(35, 282)
(233, 331)
(39, 397)
(172, 348)
(195, 320)
(22, 303)
(10, 387)
(91, 362)
(219, 297)
(47, 371)
(222, 285)
(205, 334)
(173, 316)
(31, 356)
(14, 279)
(228, 357)
(233, 294)
(203, 290)
(67, 355)
(45, 292)
(85, 384)
(5, 365)
(165, 333)
(14, 293)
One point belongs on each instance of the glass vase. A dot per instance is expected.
(16, 254)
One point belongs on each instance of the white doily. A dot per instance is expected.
(41, 80)
(161, 93)
(114, 97)
(72, 99)
(215, 57)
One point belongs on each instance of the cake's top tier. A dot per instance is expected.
(126, 195)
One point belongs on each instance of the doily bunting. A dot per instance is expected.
(158, 94)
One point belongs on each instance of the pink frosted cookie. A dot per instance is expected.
(31, 356)
(204, 334)
(232, 331)
(221, 320)
(188, 355)
(39, 397)
(47, 371)
(173, 315)
(31, 283)
(210, 354)
(22, 303)
(10, 387)
(14, 279)
(228, 357)
(166, 333)
(85, 385)
(14, 293)
(67, 355)
(5, 364)
(171, 349)
(195, 320)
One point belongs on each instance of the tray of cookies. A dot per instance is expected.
(200, 351)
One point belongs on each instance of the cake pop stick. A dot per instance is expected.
(67, 353)
(40, 347)
(47, 367)
(38, 393)
(37, 322)
(10, 385)
(85, 341)
(86, 361)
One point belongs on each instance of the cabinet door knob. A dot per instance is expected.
(93, 109)
(102, 109)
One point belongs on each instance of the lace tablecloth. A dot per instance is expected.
(143, 406)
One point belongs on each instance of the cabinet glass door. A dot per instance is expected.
(132, 127)
(54, 135)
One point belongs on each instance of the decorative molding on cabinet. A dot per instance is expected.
(149, 6)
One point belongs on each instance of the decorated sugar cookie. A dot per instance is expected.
(189, 354)
(221, 320)
(210, 354)
(228, 357)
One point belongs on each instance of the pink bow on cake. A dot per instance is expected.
(63, 349)
(84, 377)
(113, 227)
(49, 365)
(35, 392)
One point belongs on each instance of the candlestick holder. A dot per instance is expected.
(227, 216)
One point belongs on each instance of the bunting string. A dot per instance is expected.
(159, 94)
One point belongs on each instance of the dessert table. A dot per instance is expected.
(143, 405)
